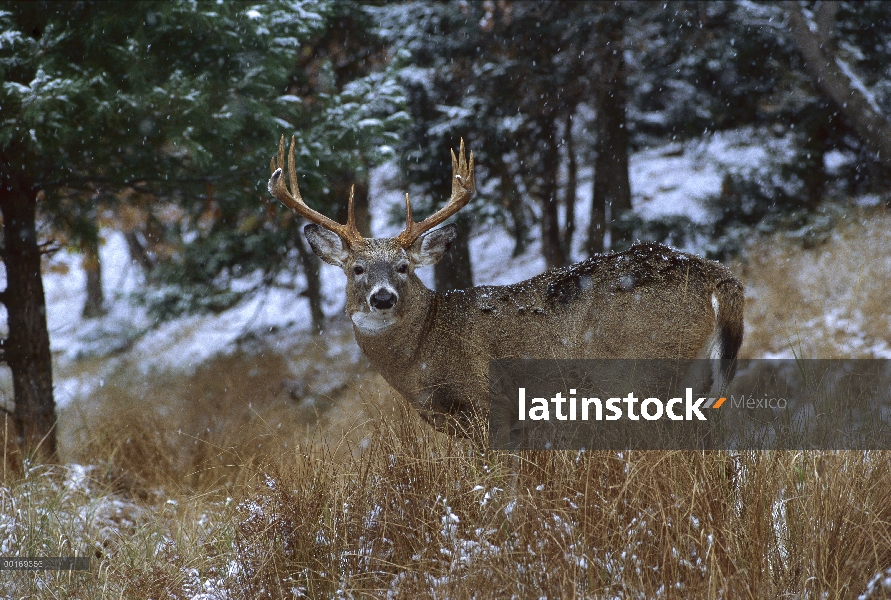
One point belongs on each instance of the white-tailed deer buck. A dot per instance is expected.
(649, 301)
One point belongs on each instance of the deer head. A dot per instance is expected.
(381, 284)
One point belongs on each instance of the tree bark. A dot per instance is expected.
(454, 272)
(820, 62)
(362, 206)
(94, 305)
(611, 184)
(569, 198)
(27, 349)
(311, 269)
(597, 224)
(816, 126)
(546, 184)
(138, 251)
(515, 204)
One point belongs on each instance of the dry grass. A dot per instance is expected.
(418, 515)
(230, 483)
(832, 301)
(414, 520)
(203, 431)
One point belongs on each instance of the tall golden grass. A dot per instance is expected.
(831, 301)
(220, 484)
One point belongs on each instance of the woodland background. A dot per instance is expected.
(174, 346)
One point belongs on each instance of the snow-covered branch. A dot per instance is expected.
(838, 80)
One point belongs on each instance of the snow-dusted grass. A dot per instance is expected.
(135, 550)
(419, 515)
(830, 301)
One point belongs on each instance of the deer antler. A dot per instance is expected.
(463, 188)
(293, 200)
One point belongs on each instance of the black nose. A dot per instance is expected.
(383, 299)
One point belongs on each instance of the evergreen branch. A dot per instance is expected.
(48, 248)
(71, 182)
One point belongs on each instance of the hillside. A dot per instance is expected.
(239, 453)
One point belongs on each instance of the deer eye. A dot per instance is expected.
(402, 269)
(358, 269)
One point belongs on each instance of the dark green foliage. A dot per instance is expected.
(507, 76)
(749, 206)
(714, 66)
(183, 105)
(703, 66)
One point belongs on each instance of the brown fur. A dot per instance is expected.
(647, 302)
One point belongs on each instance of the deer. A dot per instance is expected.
(434, 348)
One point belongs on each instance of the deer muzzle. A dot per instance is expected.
(383, 299)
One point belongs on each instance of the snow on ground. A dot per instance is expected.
(675, 179)
(64, 285)
(126, 331)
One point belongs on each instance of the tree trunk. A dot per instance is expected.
(362, 207)
(569, 198)
(611, 185)
(94, 305)
(549, 163)
(27, 349)
(311, 269)
(454, 272)
(821, 64)
(138, 251)
(816, 127)
(597, 225)
(511, 198)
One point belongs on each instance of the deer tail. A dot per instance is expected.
(731, 302)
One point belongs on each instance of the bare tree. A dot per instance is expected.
(611, 183)
(835, 78)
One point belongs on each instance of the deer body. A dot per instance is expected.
(649, 301)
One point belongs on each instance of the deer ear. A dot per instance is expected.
(326, 244)
(429, 249)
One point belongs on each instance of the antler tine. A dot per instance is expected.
(292, 171)
(351, 215)
(408, 217)
(293, 200)
(463, 189)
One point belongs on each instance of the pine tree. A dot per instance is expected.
(506, 76)
(177, 104)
